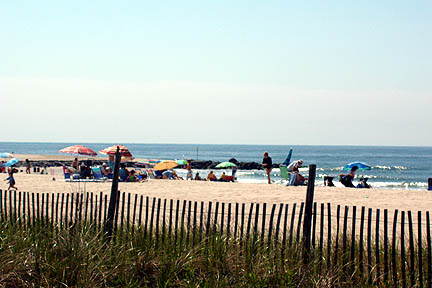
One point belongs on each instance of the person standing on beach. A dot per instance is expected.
(189, 170)
(267, 165)
(11, 179)
(28, 166)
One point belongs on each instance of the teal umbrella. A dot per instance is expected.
(12, 162)
(225, 165)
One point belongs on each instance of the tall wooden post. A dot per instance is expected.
(113, 197)
(308, 213)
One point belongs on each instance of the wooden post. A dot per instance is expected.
(308, 214)
(113, 196)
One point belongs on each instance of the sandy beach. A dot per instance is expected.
(415, 200)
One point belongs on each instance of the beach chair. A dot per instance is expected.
(287, 176)
(97, 174)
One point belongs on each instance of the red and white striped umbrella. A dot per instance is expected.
(124, 152)
(78, 149)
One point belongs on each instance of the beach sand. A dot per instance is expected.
(232, 192)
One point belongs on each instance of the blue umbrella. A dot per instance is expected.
(360, 165)
(6, 155)
(288, 159)
(11, 162)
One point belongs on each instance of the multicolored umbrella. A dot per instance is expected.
(11, 162)
(78, 149)
(182, 162)
(360, 166)
(124, 152)
(225, 165)
(165, 165)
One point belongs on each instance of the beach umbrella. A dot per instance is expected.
(288, 158)
(360, 165)
(12, 162)
(181, 162)
(78, 149)
(225, 165)
(148, 162)
(124, 152)
(165, 165)
(6, 155)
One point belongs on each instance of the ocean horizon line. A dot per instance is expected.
(222, 144)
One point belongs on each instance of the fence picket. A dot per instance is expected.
(321, 242)
(100, 209)
(344, 240)
(278, 227)
(201, 221)
(411, 248)
(429, 250)
(361, 249)
(157, 221)
(86, 208)
(15, 210)
(242, 226)
(386, 264)
(163, 221)
(229, 222)
(222, 219)
(105, 206)
(66, 210)
(236, 214)
(122, 210)
(270, 227)
(28, 209)
(249, 224)
(353, 238)
(140, 211)
(292, 224)
(19, 209)
(37, 206)
(419, 249)
(146, 216)
(255, 228)
(314, 217)
(188, 222)
(182, 221)
(61, 210)
(300, 218)
(152, 218)
(91, 210)
(284, 237)
(337, 236)
(23, 207)
(71, 208)
(46, 209)
(176, 221)
(170, 218)
(402, 249)
(215, 218)
(369, 245)
(394, 263)
(194, 223)
(377, 245)
(263, 224)
(81, 205)
(208, 220)
(134, 213)
(1, 205)
(329, 235)
(96, 211)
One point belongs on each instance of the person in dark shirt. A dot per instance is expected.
(267, 165)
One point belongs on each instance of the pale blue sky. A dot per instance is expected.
(249, 72)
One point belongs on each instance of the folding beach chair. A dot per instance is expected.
(287, 176)
(97, 174)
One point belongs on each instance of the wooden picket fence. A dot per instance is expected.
(347, 241)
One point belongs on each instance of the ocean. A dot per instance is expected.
(392, 167)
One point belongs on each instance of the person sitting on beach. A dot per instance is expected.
(293, 167)
(75, 164)
(176, 177)
(132, 177)
(223, 177)
(167, 175)
(363, 183)
(2, 167)
(105, 169)
(28, 166)
(197, 177)
(11, 179)
(85, 171)
(346, 180)
(211, 176)
(123, 173)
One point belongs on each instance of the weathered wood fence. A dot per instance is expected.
(389, 247)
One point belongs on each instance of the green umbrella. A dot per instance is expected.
(225, 165)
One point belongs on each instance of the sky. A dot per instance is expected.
(217, 72)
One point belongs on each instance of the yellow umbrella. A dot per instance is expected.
(165, 165)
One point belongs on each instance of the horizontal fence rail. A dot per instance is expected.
(386, 246)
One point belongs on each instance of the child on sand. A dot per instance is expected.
(11, 180)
